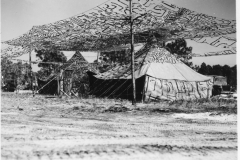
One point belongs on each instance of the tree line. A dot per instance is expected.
(226, 71)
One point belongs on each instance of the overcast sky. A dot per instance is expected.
(18, 16)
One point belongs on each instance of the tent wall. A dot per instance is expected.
(116, 88)
(50, 88)
(176, 89)
(67, 81)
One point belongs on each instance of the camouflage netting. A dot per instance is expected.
(78, 66)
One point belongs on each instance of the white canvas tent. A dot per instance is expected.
(159, 74)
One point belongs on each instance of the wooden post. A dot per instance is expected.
(60, 83)
(144, 87)
(98, 54)
(132, 53)
(30, 68)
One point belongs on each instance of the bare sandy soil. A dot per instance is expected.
(52, 128)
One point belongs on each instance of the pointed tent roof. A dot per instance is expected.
(77, 61)
(156, 62)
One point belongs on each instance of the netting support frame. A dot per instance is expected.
(132, 54)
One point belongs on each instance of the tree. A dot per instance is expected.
(209, 70)
(179, 48)
(15, 73)
(51, 55)
(5, 68)
(217, 70)
(203, 69)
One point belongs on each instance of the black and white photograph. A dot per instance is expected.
(119, 80)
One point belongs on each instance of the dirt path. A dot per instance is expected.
(40, 128)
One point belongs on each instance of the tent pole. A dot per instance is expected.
(144, 86)
(98, 54)
(30, 68)
(61, 82)
(132, 53)
(58, 86)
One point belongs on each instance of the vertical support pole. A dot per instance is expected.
(61, 83)
(98, 54)
(144, 87)
(58, 85)
(132, 54)
(30, 68)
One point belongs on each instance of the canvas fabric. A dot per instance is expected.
(156, 62)
(172, 90)
(166, 76)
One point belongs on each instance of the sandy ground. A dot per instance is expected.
(52, 128)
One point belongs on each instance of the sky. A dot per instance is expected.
(18, 16)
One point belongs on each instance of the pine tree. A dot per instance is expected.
(180, 49)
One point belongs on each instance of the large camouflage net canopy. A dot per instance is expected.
(108, 25)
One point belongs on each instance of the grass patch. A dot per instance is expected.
(195, 106)
(78, 105)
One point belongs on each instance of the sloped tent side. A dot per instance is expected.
(51, 87)
(175, 82)
(115, 88)
(170, 79)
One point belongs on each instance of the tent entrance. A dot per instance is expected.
(116, 88)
